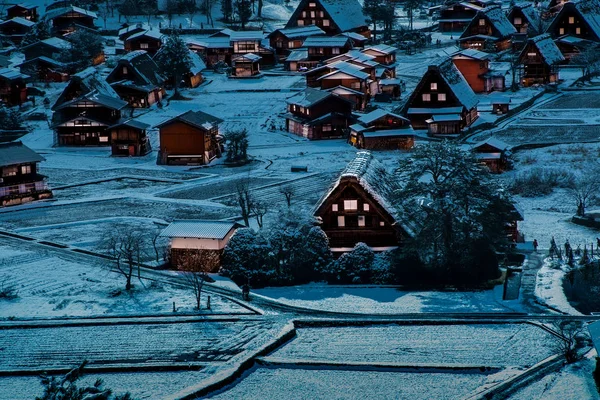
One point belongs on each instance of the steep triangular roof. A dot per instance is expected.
(589, 10)
(346, 14)
(145, 69)
(547, 48)
(529, 12)
(17, 153)
(197, 119)
(501, 26)
(87, 81)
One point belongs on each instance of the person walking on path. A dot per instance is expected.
(535, 244)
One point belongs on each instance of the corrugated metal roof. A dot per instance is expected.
(17, 153)
(326, 41)
(199, 229)
(300, 32)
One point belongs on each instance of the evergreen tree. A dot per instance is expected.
(39, 31)
(354, 266)
(174, 59)
(227, 9)
(247, 259)
(243, 9)
(85, 46)
(237, 145)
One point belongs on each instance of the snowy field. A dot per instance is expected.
(389, 300)
(516, 345)
(270, 383)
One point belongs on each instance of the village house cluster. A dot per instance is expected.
(329, 43)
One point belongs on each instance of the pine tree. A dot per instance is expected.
(227, 9)
(174, 59)
(243, 10)
(39, 31)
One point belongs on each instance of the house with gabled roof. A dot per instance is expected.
(13, 87)
(50, 48)
(286, 40)
(132, 29)
(382, 130)
(191, 138)
(488, 30)
(492, 152)
(323, 47)
(318, 114)
(359, 208)
(382, 53)
(85, 82)
(540, 58)
(205, 239)
(579, 18)
(214, 49)
(128, 137)
(332, 16)
(245, 65)
(25, 11)
(21, 182)
(70, 18)
(137, 79)
(41, 60)
(191, 78)
(474, 66)
(443, 102)
(455, 15)
(147, 40)
(572, 46)
(349, 76)
(358, 40)
(84, 121)
(525, 18)
(15, 29)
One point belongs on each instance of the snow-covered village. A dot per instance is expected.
(300, 199)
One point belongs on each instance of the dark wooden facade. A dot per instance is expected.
(15, 29)
(455, 16)
(23, 11)
(540, 59)
(189, 139)
(69, 19)
(316, 114)
(21, 182)
(286, 40)
(44, 69)
(493, 153)
(381, 130)
(525, 19)
(244, 66)
(332, 16)
(148, 41)
(577, 19)
(488, 30)
(321, 48)
(129, 138)
(137, 80)
(13, 87)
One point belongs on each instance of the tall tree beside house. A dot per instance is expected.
(39, 31)
(462, 212)
(171, 9)
(227, 10)
(85, 45)
(237, 145)
(377, 11)
(410, 6)
(174, 58)
(243, 9)
(206, 8)
(190, 8)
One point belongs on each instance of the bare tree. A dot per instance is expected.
(288, 192)
(104, 11)
(125, 246)
(195, 263)
(171, 8)
(190, 8)
(584, 189)
(206, 8)
(589, 62)
(158, 247)
(259, 209)
(244, 199)
(570, 336)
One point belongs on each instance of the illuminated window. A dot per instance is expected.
(531, 54)
(125, 70)
(578, 31)
(441, 96)
(143, 45)
(434, 86)
(351, 205)
(326, 128)
(381, 223)
(303, 14)
(9, 171)
(517, 21)
(312, 14)
(300, 22)
(312, 5)
(561, 31)
(481, 22)
(426, 97)
(334, 207)
(26, 169)
(325, 22)
(365, 207)
(341, 220)
(335, 50)
(361, 220)
(571, 20)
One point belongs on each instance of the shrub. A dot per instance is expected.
(352, 267)
(541, 182)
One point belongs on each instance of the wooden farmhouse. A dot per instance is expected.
(443, 102)
(13, 87)
(323, 47)
(454, 16)
(25, 11)
(350, 82)
(149, 41)
(245, 65)
(284, 41)
(251, 42)
(526, 19)
(128, 138)
(213, 49)
(493, 153)
(358, 41)
(20, 181)
(332, 16)
(83, 83)
(200, 242)
(191, 78)
(129, 30)
(358, 208)
(572, 46)
(577, 18)
(489, 30)
(382, 53)
(68, 19)
(84, 121)
(137, 79)
(317, 114)
(540, 59)
(382, 130)
(191, 138)
(15, 29)
(41, 60)
(474, 66)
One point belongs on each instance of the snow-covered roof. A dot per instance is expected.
(149, 33)
(300, 31)
(246, 35)
(346, 14)
(199, 229)
(357, 37)
(352, 55)
(130, 122)
(548, 49)
(444, 118)
(247, 57)
(297, 55)
(348, 72)
(308, 97)
(223, 32)
(217, 42)
(472, 53)
(17, 153)
(198, 64)
(145, 68)
(493, 142)
(376, 114)
(438, 111)
(55, 42)
(381, 48)
(326, 41)
(133, 27)
(94, 96)
(25, 6)
(589, 10)
(373, 177)
(529, 11)
(405, 131)
(10, 74)
(496, 17)
(341, 90)
(197, 119)
(20, 21)
(64, 10)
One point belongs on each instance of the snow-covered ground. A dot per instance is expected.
(374, 300)
(549, 289)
